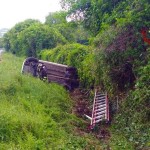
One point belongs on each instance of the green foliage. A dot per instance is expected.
(105, 37)
(67, 30)
(76, 55)
(119, 142)
(30, 37)
(36, 115)
(10, 38)
(55, 18)
(133, 119)
(72, 31)
(117, 46)
(104, 61)
(99, 14)
(135, 13)
(38, 37)
(1, 43)
(94, 12)
(116, 27)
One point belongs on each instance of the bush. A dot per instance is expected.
(76, 55)
(133, 120)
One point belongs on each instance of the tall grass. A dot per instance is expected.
(35, 115)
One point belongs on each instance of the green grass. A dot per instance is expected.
(119, 142)
(35, 115)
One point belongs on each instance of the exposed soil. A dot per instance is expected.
(81, 103)
(82, 106)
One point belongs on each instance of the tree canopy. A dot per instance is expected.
(55, 18)
(94, 14)
(29, 38)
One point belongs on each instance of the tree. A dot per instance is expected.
(71, 30)
(55, 18)
(6, 41)
(90, 12)
(11, 37)
(37, 37)
(58, 21)
(30, 37)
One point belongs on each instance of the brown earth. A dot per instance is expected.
(82, 106)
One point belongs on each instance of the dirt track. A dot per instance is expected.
(82, 106)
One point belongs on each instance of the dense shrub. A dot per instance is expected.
(30, 39)
(37, 37)
(133, 120)
(10, 39)
(76, 55)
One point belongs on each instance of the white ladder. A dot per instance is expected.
(100, 110)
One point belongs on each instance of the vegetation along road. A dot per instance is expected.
(108, 42)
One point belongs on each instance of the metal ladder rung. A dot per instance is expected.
(100, 96)
(99, 109)
(100, 116)
(97, 121)
(100, 100)
(100, 113)
(97, 97)
(100, 103)
(104, 105)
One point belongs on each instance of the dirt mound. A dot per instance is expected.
(82, 105)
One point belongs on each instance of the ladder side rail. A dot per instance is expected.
(93, 111)
(107, 108)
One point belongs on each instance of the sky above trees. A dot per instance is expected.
(12, 12)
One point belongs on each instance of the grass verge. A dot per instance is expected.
(36, 115)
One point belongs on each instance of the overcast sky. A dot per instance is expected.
(14, 11)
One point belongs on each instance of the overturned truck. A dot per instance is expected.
(52, 72)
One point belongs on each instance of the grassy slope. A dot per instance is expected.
(36, 115)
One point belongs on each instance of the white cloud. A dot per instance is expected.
(14, 11)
